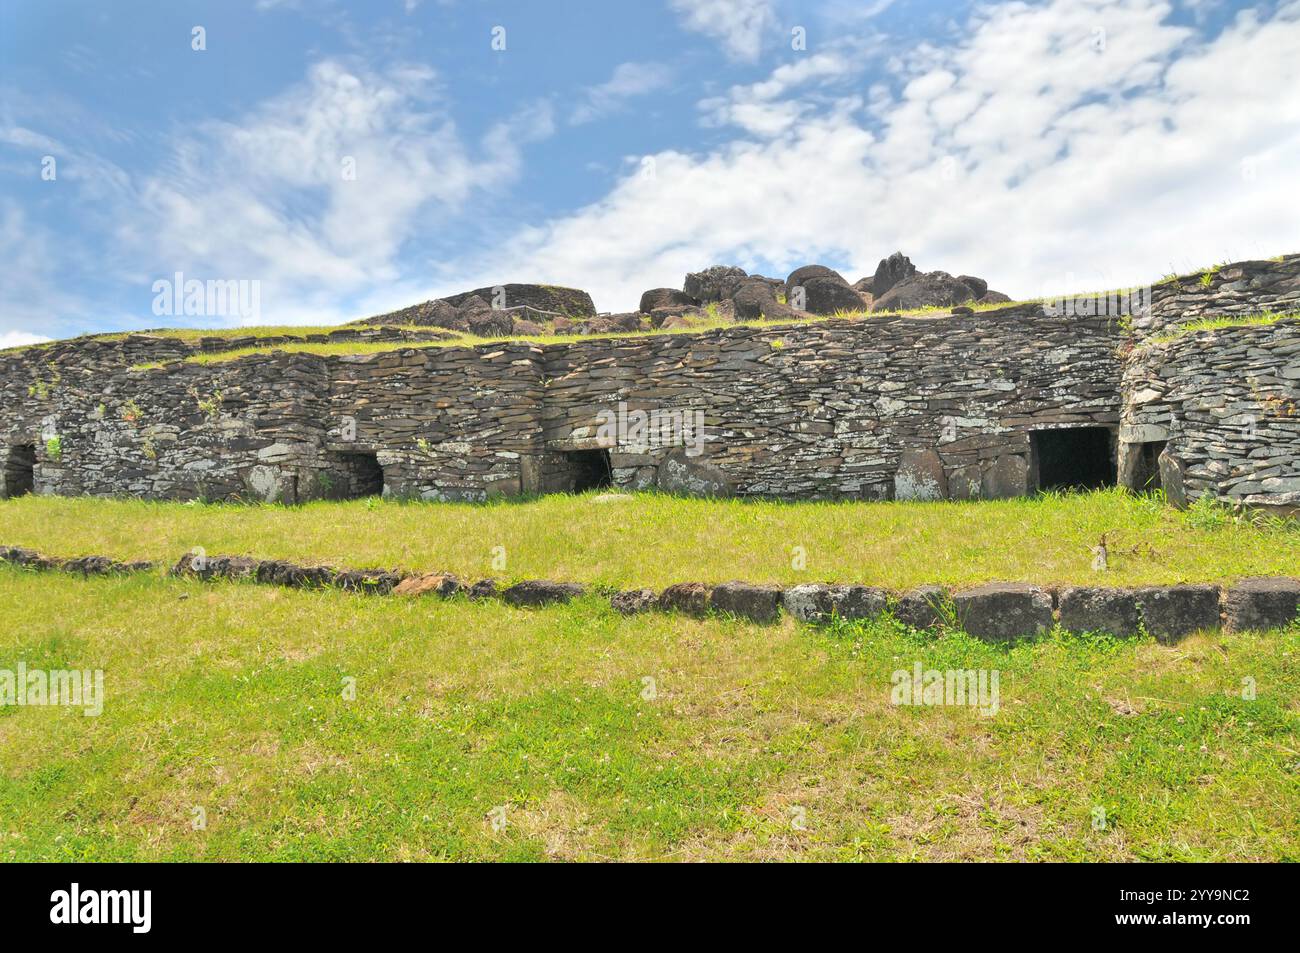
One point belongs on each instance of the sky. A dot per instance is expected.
(351, 158)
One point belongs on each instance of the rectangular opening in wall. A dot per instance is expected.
(588, 469)
(1073, 458)
(362, 475)
(20, 470)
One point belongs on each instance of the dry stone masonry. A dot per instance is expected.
(942, 405)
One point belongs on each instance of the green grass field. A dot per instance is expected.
(654, 540)
(483, 732)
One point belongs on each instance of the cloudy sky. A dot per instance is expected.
(355, 157)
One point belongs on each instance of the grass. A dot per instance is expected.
(1260, 319)
(648, 539)
(711, 323)
(591, 736)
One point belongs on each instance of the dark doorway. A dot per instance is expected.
(20, 470)
(363, 475)
(1146, 474)
(1073, 458)
(589, 469)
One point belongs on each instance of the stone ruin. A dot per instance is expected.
(950, 404)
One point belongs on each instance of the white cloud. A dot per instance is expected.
(19, 339)
(739, 25)
(269, 197)
(1031, 153)
(627, 81)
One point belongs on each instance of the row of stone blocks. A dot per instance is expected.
(996, 611)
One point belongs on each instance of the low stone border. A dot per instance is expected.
(993, 611)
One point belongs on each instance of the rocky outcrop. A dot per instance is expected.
(549, 299)
(931, 289)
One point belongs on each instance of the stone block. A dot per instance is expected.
(1171, 613)
(1261, 604)
(1100, 609)
(1000, 611)
(747, 600)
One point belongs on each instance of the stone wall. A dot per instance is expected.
(838, 409)
(946, 406)
(1219, 412)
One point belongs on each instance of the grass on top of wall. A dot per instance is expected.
(479, 732)
(631, 540)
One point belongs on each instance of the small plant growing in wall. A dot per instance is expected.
(210, 406)
(54, 449)
(1207, 278)
(424, 446)
(148, 448)
(131, 412)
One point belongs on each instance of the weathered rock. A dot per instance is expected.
(689, 598)
(994, 297)
(436, 313)
(920, 476)
(978, 286)
(897, 267)
(749, 601)
(665, 298)
(541, 592)
(520, 326)
(1171, 613)
(371, 582)
(865, 285)
(489, 323)
(932, 289)
(1100, 609)
(556, 300)
(1003, 611)
(1008, 477)
(282, 573)
(483, 589)
(676, 322)
(819, 602)
(435, 583)
(923, 607)
(829, 295)
(628, 321)
(803, 275)
(691, 476)
(713, 284)
(1261, 604)
(1172, 479)
(634, 601)
(754, 300)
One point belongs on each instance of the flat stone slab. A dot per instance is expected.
(758, 603)
(1171, 613)
(1100, 609)
(922, 607)
(1260, 604)
(1003, 611)
(820, 602)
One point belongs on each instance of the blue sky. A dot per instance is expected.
(616, 145)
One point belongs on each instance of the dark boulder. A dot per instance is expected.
(1171, 613)
(754, 300)
(897, 267)
(932, 289)
(994, 297)
(634, 601)
(922, 607)
(541, 592)
(665, 298)
(757, 603)
(801, 275)
(977, 286)
(1100, 609)
(521, 326)
(865, 286)
(1000, 611)
(713, 284)
(1263, 604)
(826, 295)
(627, 321)
(491, 324)
(555, 300)
(691, 598)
